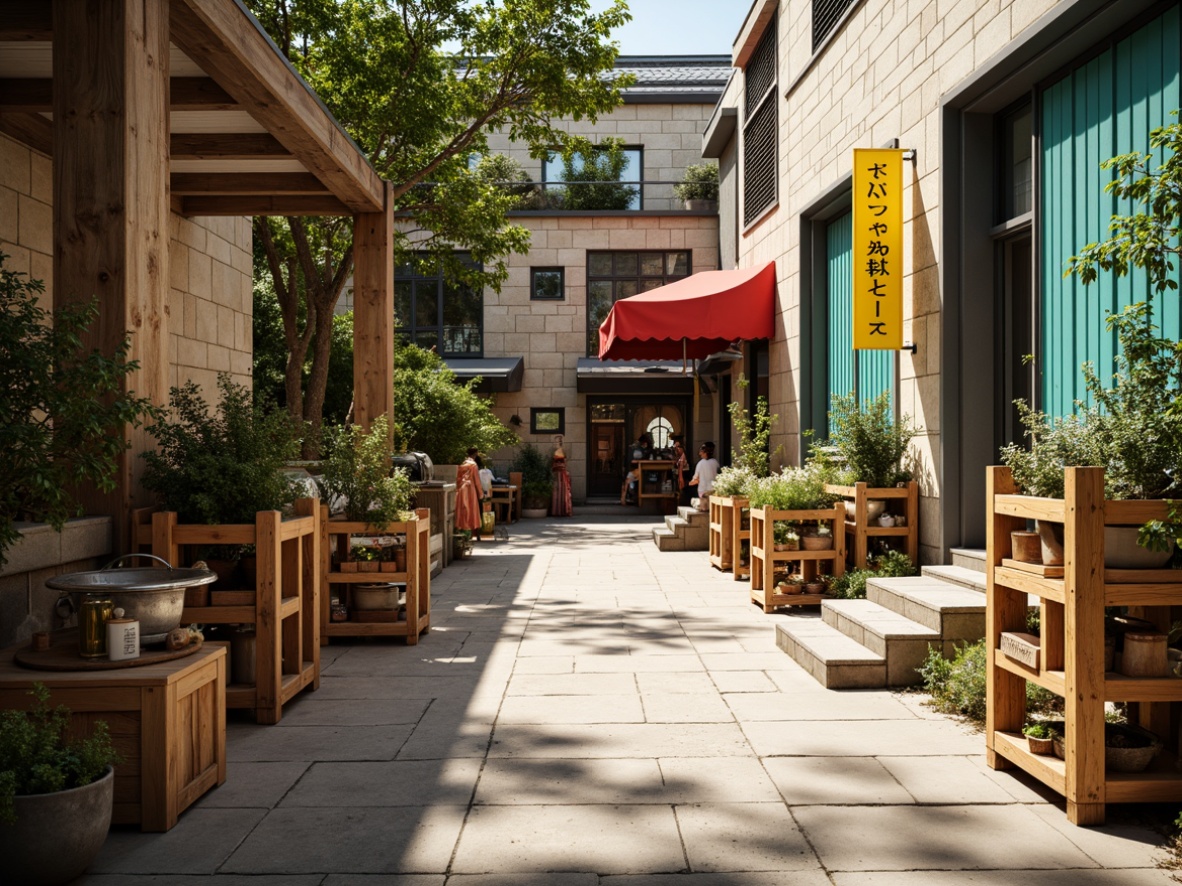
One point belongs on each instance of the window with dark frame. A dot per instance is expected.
(826, 15)
(546, 284)
(431, 313)
(633, 173)
(760, 129)
(547, 421)
(612, 276)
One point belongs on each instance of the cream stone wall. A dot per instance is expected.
(880, 78)
(209, 310)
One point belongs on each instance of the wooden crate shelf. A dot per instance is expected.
(417, 577)
(1072, 644)
(859, 529)
(286, 612)
(726, 532)
(766, 561)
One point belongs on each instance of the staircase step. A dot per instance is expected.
(693, 515)
(969, 558)
(955, 612)
(833, 659)
(958, 575)
(902, 642)
(667, 540)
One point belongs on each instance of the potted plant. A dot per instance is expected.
(357, 480)
(819, 538)
(785, 536)
(699, 187)
(56, 793)
(1040, 737)
(64, 411)
(536, 480)
(462, 543)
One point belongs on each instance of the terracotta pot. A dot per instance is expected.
(817, 542)
(1027, 547)
(1042, 746)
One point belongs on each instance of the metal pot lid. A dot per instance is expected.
(141, 578)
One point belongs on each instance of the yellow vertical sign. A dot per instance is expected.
(878, 249)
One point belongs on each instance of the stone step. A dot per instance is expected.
(958, 575)
(834, 660)
(902, 642)
(955, 612)
(969, 558)
(666, 539)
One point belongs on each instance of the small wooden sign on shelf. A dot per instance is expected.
(1022, 648)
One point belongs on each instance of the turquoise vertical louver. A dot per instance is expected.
(867, 373)
(1104, 108)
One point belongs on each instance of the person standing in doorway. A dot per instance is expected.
(704, 474)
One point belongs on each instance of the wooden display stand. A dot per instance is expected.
(726, 520)
(765, 559)
(653, 490)
(1072, 644)
(417, 579)
(859, 529)
(286, 606)
(167, 720)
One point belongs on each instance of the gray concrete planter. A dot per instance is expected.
(56, 836)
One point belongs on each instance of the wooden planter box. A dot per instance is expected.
(286, 604)
(1070, 658)
(859, 529)
(726, 520)
(417, 579)
(765, 559)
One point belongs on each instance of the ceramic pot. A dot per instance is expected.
(874, 507)
(1050, 537)
(1121, 550)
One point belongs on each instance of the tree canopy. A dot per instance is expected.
(419, 85)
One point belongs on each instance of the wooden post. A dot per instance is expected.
(110, 198)
(1083, 614)
(1004, 611)
(373, 315)
(268, 645)
(311, 566)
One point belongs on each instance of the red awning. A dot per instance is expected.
(694, 317)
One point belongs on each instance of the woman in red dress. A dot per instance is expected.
(560, 504)
(468, 493)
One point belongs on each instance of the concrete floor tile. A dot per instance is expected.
(338, 688)
(834, 781)
(199, 844)
(1006, 878)
(829, 738)
(550, 879)
(746, 661)
(911, 838)
(602, 839)
(743, 681)
(556, 664)
(571, 709)
(253, 785)
(817, 704)
(212, 880)
(620, 740)
(247, 743)
(360, 841)
(636, 664)
(383, 880)
(539, 782)
(1112, 845)
(716, 780)
(396, 783)
(951, 780)
(571, 684)
(675, 683)
(353, 712)
(744, 837)
(741, 878)
(705, 708)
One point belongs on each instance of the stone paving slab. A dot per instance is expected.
(620, 740)
(1006, 878)
(397, 783)
(199, 844)
(744, 837)
(259, 785)
(812, 781)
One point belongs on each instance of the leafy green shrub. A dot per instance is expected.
(38, 755)
(793, 489)
(957, 686)
(851, 585)
(1040, 729)
(536, 476)
(357, 472)
(733, 480)
(594, 178)
(699, 182)
(865, 444)
(439, 415)
(63, 411)
(754, 453)
(221, 468)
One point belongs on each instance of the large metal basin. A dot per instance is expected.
(153, 595)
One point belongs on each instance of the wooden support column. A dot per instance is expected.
(373, 314)
(110, 197)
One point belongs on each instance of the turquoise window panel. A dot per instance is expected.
(1103, 108)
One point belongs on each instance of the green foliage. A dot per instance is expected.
(1055, 443)
(754, 452)
(700, 182)
(593, 178)
(537, 478)
(868, 443)
(39, 756)
(793, 489)
(1148, 239)
(1040, 729)
(357, 473)
(891, 564)
(437, 414)
(957, 686)
(221, 468)
(63, 412)
(734, 480)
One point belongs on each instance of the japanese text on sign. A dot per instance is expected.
(878, 249)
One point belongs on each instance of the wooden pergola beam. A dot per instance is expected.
(257, 204)
(230, 46)
(35, 95)
(185, 184)
(227, 146)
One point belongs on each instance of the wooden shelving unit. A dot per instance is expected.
(766, 561)
(648, 489)
(860, 529)
(726, 518)
(1071, 659)
(417, 577)
(286, 607)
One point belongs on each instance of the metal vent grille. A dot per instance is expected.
(826, 15)
(759, 162)
(760, 73)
